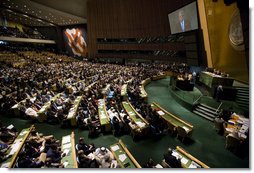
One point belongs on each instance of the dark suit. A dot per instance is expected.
(172, 161)
(186, 26)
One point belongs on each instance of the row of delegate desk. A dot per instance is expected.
(119, 150)
(68, 147)
(173, 121)
(187, 160)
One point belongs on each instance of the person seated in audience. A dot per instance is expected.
(55, 154)
(50, 164)
(85, 161)
(150, 164)
(7, 134)
(103, 157)
(87, 148)
(171, 160)
(24, 161)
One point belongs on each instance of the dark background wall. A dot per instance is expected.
(136, 19)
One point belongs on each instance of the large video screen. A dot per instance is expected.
(184, 19)
(76, 41)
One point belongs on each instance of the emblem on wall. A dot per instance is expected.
(235, 32)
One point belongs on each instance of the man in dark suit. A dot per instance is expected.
(184, 24)
(171, 160)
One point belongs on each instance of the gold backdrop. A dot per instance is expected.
(223, 55)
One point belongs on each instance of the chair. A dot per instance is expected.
(171, 129)
(181, 133)
(164, 164)
(232, 143)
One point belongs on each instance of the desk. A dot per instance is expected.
(238, 126)
(123, 156)
(103, 115)
(135, 116)
(142, 85)
(73, 111)
(159, 76)
(105, 90)
(124, 91)
(187, 160)
(210, 79)
(68, 147)
(172, 119)
(182, 84)
(42, 112)
(16, 147)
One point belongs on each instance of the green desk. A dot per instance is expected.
(73, 111)
(123, 156)
(16, 147)
(187, 160)
(42, 112)
(210, 79)
(159, 76)
(103, 115)
(172, 119)
(68, 147)
(142, 85)
(134, 115)
(124, 91)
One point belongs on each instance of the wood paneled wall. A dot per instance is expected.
(129, 19)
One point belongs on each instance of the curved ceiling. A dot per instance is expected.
(44, 12)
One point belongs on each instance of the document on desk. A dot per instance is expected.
(174, 153)
(23, 133)
(68, 145)
(160, 112)
(184, 161)
(5, 165)
(122, 157)
(15, 147)
(66, 139)
(186, 128)
(66, 151)
(65, 163)
(115, 148)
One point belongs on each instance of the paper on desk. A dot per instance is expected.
(186, 128)
(66, 151)
(15, 147)
(66, 139)
(65, 163)
(67, 146)
(175, 154)
(5, 165)
(10, 127)
(122, 157)
(192, 166)
(131, 113)
(23, 133)
(114, 148)
(184, 160)
(160, 112)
